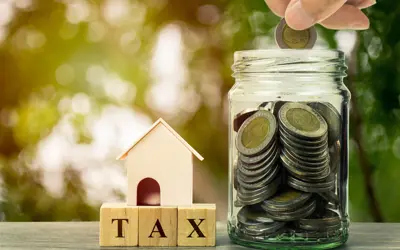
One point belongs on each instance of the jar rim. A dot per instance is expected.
(285, 53)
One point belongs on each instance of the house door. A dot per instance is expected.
(148, 192)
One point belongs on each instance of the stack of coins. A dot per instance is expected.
(253, 221)
(319, 225)
(289, 205)
(258, 174)
(303, 135)
(298, 197)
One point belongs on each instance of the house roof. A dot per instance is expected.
(170, 129)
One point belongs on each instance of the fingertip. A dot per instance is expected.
(297, 18)
(278, 7)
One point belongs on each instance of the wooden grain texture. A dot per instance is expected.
(118, 225)
(84, 235)
(196, 225)
(158, 226)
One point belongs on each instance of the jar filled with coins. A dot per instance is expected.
(288, 139)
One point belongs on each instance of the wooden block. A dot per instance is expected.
(196, 225)
(118, 225)
(158, 226)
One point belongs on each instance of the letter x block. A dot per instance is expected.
(158, 226)
(196, 225)
(118, 225)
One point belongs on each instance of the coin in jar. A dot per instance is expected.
(261, 181)
(288, 38)
(306, 142)
(287, 199)
(302, 121)
(329, 221)
(276, 106)
(330, 197)
(311, 187)
(241, 117)
(303, 165)
(306, 164)
(295, 214)
(334, 153)
(257, 133)
(261, 229)
(251, 197)
(331, 116)
(252, 213)
(304, 151)
(292, 143)
(253, 160)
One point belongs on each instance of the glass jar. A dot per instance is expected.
(288, 149)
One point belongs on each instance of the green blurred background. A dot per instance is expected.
(81, 79)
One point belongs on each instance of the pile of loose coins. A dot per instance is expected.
(285, 171)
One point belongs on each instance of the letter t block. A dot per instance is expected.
(118, 225)
(196, 225)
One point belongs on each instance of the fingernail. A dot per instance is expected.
(297, 17)
(366, 4)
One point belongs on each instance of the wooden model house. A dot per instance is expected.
(160, 164)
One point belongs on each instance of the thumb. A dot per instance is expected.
(302, 14)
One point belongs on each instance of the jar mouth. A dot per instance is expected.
(305, 54)
(289, 61)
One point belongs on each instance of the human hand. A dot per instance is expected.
(332, 14)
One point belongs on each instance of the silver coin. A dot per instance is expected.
(287, 199)
(266, 106)
(251, 197)
(313, 179)
(238, 203)
(306, 165)
(288, 38)
(249, 160)
(330, 196)
(302, 121)
(317, 235)
(310, 187)
(299, 172)
(235, 178)
(243, 178)
(304, 152)
(331, 206)
(241, 117)
(252, 170)
(276, 106)
(334, 153)
(324, 157)
(331, 116)
(261, 182)
(260, 228)
(329, 221)
(306, 142)
(296, 214)
(257, 133)
(251, 214)
(292, 143)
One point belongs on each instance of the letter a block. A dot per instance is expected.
(118, 225)
(196, 225)
(158, 226)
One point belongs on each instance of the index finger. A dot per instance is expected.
(278, 7)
